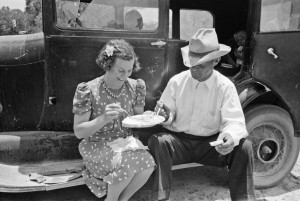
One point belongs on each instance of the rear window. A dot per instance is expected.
(119, 15)
(192, 20)
(280, 15)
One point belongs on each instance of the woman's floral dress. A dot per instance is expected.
(103, 165)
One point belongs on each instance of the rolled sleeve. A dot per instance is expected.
(233, 119)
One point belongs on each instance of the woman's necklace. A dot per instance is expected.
(111, 93)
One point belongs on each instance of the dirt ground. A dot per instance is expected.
(193, 184)
(207, 183)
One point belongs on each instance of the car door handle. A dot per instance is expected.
(52, 100)
(158, 43)
(271, 52)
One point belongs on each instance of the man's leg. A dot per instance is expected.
(167, 150)
(240, 163)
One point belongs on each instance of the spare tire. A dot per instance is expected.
(274, 146)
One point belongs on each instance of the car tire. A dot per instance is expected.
(274, 146)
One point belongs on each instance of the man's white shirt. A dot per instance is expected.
(204, 108)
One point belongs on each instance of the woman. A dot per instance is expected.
(116, 164)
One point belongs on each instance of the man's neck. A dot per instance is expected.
(205, 78)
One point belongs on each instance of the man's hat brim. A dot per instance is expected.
(191, 59)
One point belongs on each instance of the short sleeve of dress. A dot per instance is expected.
(141, 92)
(82, 99)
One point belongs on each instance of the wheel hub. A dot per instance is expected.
(267, 150)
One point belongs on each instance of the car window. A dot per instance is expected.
(119, 15)
(139, 18)
(19, 18)
(280, 15)
(192, 20)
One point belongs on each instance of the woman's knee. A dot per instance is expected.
(148, 171)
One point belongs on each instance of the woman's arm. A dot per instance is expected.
(83, 127)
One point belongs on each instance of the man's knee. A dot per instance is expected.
(155, 140)
(246, 146)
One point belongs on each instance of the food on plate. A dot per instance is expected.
(143, 120)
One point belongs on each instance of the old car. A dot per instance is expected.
(39, 74)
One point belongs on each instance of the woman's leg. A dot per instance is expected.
(114, 190)
(138, 180)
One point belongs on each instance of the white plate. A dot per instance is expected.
(142, 121)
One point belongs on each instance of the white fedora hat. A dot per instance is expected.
(203, 47)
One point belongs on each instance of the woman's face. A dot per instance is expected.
(203, 71)
(120, 71)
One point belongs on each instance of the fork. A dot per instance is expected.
(158, 111)
(126, 112)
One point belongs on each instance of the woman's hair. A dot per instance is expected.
(116, 48)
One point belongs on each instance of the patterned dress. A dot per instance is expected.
(102, 164)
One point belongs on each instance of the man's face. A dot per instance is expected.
(241, 39)
(203, 71)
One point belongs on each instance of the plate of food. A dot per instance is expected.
(142, 121)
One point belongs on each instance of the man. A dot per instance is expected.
(232, 62)
(236, 42)
(133, 20)
(201, 106)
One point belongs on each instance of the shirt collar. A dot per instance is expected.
(209, 82)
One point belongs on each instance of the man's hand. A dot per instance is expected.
(238, 54)
(163, 109)
(228, 144)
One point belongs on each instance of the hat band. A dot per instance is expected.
(195, 54)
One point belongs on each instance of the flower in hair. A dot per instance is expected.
(109, 50)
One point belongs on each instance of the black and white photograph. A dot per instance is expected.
(149, 100)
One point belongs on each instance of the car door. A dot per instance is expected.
(275, 60)
(79, 31)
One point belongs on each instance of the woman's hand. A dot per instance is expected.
(111, 112)
(163, 109)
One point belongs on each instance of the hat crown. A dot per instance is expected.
(205, 40)
(203, 47)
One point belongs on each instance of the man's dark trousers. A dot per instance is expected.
(173, 148)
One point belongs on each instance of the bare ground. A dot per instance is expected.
(193, 184)
(209, 183)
